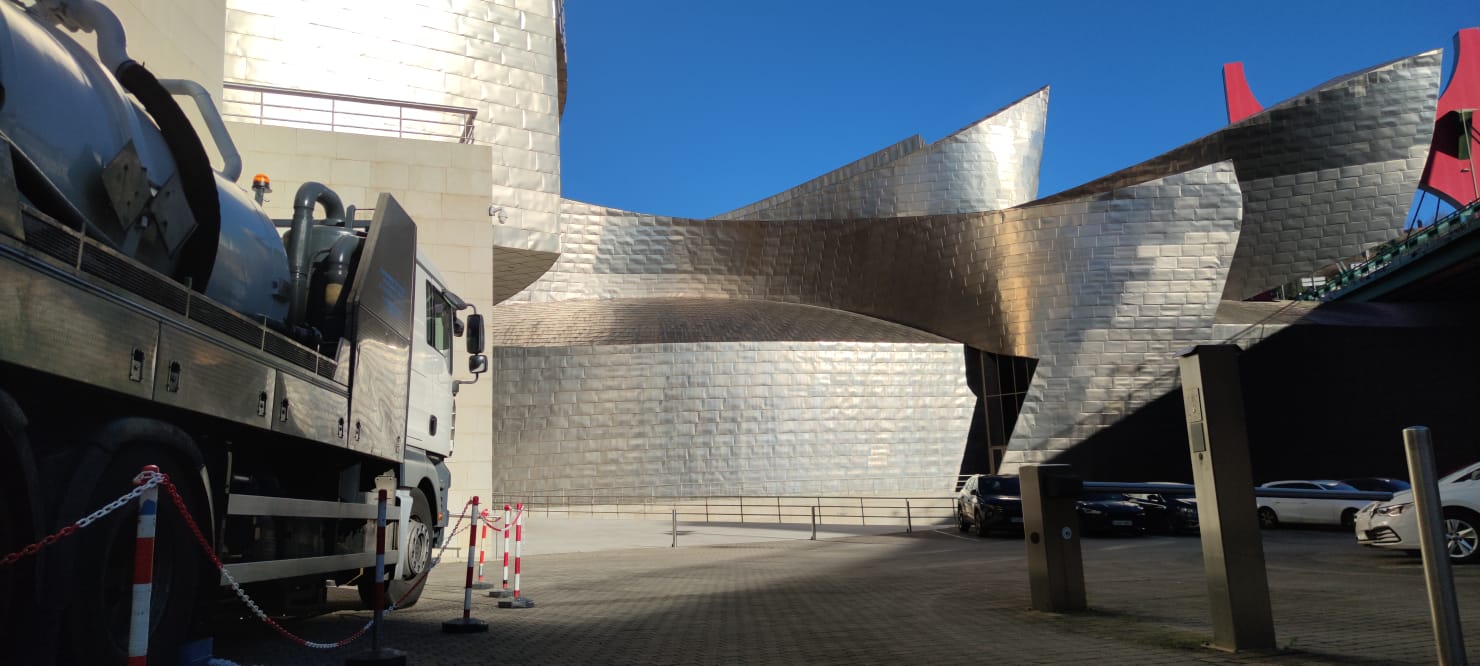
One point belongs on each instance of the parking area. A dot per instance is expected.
(614, 592)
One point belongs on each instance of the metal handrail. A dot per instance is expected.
(457, 121)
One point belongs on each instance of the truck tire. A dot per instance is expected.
(98, 616)
(20, 520)
(419, 552)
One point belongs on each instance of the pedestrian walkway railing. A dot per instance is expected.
(834, 510)
(265, 105)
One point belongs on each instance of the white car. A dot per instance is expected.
(1394, 524)
(1275, 511)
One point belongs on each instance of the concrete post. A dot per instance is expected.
(1051, 533)
(1233, 549)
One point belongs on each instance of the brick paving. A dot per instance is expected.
(933, 597)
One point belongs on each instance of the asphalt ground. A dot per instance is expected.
(613, 592)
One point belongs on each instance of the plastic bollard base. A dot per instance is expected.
(521, 602)
(485, 585)
(500, 593)
(381, 657)
(464, 625)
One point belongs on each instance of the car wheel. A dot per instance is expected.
(1461, 536)
(1267, 518)
(1349, 519)
(961, 522)
(981, 524)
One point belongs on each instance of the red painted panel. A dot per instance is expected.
(1449, 174)
(1240, 100)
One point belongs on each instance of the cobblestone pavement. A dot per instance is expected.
(933, 596)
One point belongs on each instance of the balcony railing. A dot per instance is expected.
(265, 105)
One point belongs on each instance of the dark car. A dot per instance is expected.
(1378, 484)
(1110, 513)
(991, 502)
(1172, 514)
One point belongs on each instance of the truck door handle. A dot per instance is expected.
(432, 426)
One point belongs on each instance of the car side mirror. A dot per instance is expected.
(975, 493)
(475, 335)
(477, 364)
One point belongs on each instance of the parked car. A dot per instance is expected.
(990, 502)
(1275, 511)
(1172, 514)
(1393, 523)
(1378, 484)
(1110, 513)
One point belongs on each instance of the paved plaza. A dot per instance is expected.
(614, 592)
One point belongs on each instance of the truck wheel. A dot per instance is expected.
(19, 523)
(98, 617)
(419, 557)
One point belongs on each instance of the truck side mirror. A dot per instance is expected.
(477, 364)
(475, 334)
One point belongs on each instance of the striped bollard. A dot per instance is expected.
(482, 550)
(468, 624)
(377, 654)
(138, 624)
(518, 601)
(504, 590)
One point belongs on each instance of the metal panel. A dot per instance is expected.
(197, 374)
(258, 505)
(10, 196)
(52, 325)
(251, 572)
(307, 409)
(381, 376)
(382, 299)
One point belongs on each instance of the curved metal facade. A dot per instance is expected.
(990, 164)
(1325, 174)
(1100, 289)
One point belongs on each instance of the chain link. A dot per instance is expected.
(146, 480)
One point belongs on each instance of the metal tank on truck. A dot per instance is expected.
(150, 314)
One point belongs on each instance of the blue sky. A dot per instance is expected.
(694, 108)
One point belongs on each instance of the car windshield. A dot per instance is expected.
(1460, 474)
(1334, 485)
(1005, 485)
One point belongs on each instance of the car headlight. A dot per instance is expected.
(1092, 512)
(1392, 509)
(1187, 511)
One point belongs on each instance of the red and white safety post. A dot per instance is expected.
(378, 655)
(518, 601)
(468, 624)
(482, 550)
(138, 625)
(504, 548)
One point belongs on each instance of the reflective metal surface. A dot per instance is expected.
(305, 408)
(499, 57)
(725, 418)
(1101, 290)
(1325, 173)
(990, 164)
(200, 375)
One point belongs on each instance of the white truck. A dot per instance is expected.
(151, 314)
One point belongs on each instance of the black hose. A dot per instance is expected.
(192, 167)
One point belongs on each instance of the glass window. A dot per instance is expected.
(439, 323)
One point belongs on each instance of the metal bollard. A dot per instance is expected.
(1432, 539)
(377, 654)
(138, 626)
(468, 624)
(909, 522)
(1233, 548)
(675, 530)
(814, 523)
(1051, 530)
